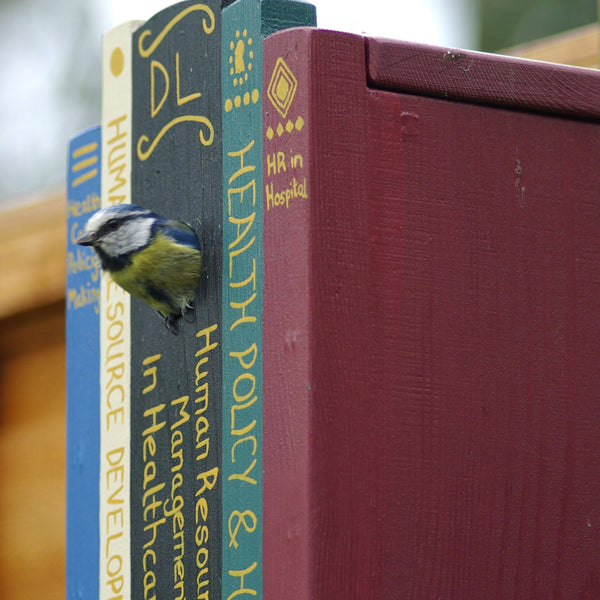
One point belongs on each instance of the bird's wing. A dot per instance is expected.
(181, 233)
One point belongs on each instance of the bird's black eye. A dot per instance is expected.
(112, 224)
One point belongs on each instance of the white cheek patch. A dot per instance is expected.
(132, 235)
(95, 222)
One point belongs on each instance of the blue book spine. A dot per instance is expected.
(83, 365)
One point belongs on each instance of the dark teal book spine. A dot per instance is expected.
(245, 24)
(176, 379)
(83, 371)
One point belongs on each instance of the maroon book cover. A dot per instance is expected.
(431, 323)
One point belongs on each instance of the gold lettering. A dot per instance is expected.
(247, 221)
(189, 97)
(242, 356)
(241, 575)
(176, 455)
(149, 584)
(243, 169)
(206, 334)
(155, 426)
(202, 511)
(153, 527)
(117, 165)
(116, 124)
(271, 164)
(115, 456)
(244, 377)
(148, 447)
(150, 372)
(114, 159)
(146, 554)
(185, 416)
(251, 279)
(149, 473)
(245, 475)
(247, 428)
(202, 444)
(247, 519)
(209, 479)
(297, 189)
(154, 108)
(244, 318)
(202, 399)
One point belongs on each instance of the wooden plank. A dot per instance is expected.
(245, 24)
(32, 252)
(83, 370)
(114, 327)
(32, 451)
(431, 322)
(577, 47)
(176, 171)
(483, 78)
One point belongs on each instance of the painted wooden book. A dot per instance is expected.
(83, 366)
(115, 326)
(431, 323)
(245, 24)
(176, 379)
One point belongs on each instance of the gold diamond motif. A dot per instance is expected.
(279, 129)
(282, 87)
(270, 133)
(299, 123)
(289, 126)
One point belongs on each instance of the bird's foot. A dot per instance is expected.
(188, 312)
(172, 324)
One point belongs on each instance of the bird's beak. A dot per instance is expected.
(85, 239)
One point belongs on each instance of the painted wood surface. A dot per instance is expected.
(245, 24)
(83, 370)
(483, 78)
(176, 379)
(114, 340)
(431, 324)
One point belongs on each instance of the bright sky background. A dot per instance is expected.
(53, 94)
(441, 22)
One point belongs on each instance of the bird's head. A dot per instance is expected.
(117, 231)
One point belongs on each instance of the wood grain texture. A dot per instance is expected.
(32, 252)
(578, 47)
(483, 78)
(433, 312)
(287, 423)
(180, 178)
(32, 451)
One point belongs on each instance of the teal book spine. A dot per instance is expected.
(83, 366)
(245, 24)
(176, 379)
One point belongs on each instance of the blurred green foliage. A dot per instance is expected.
(505, 23)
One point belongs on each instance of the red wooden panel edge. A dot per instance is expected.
(483, 78)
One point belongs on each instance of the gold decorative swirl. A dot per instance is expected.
(207, 24)
(205, 141)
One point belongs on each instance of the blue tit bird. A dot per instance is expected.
(155, 259)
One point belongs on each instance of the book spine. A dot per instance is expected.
(245, 24)
(176, 379)
(287, 385)
(115, 325)
(83, 364)
(316, 314)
